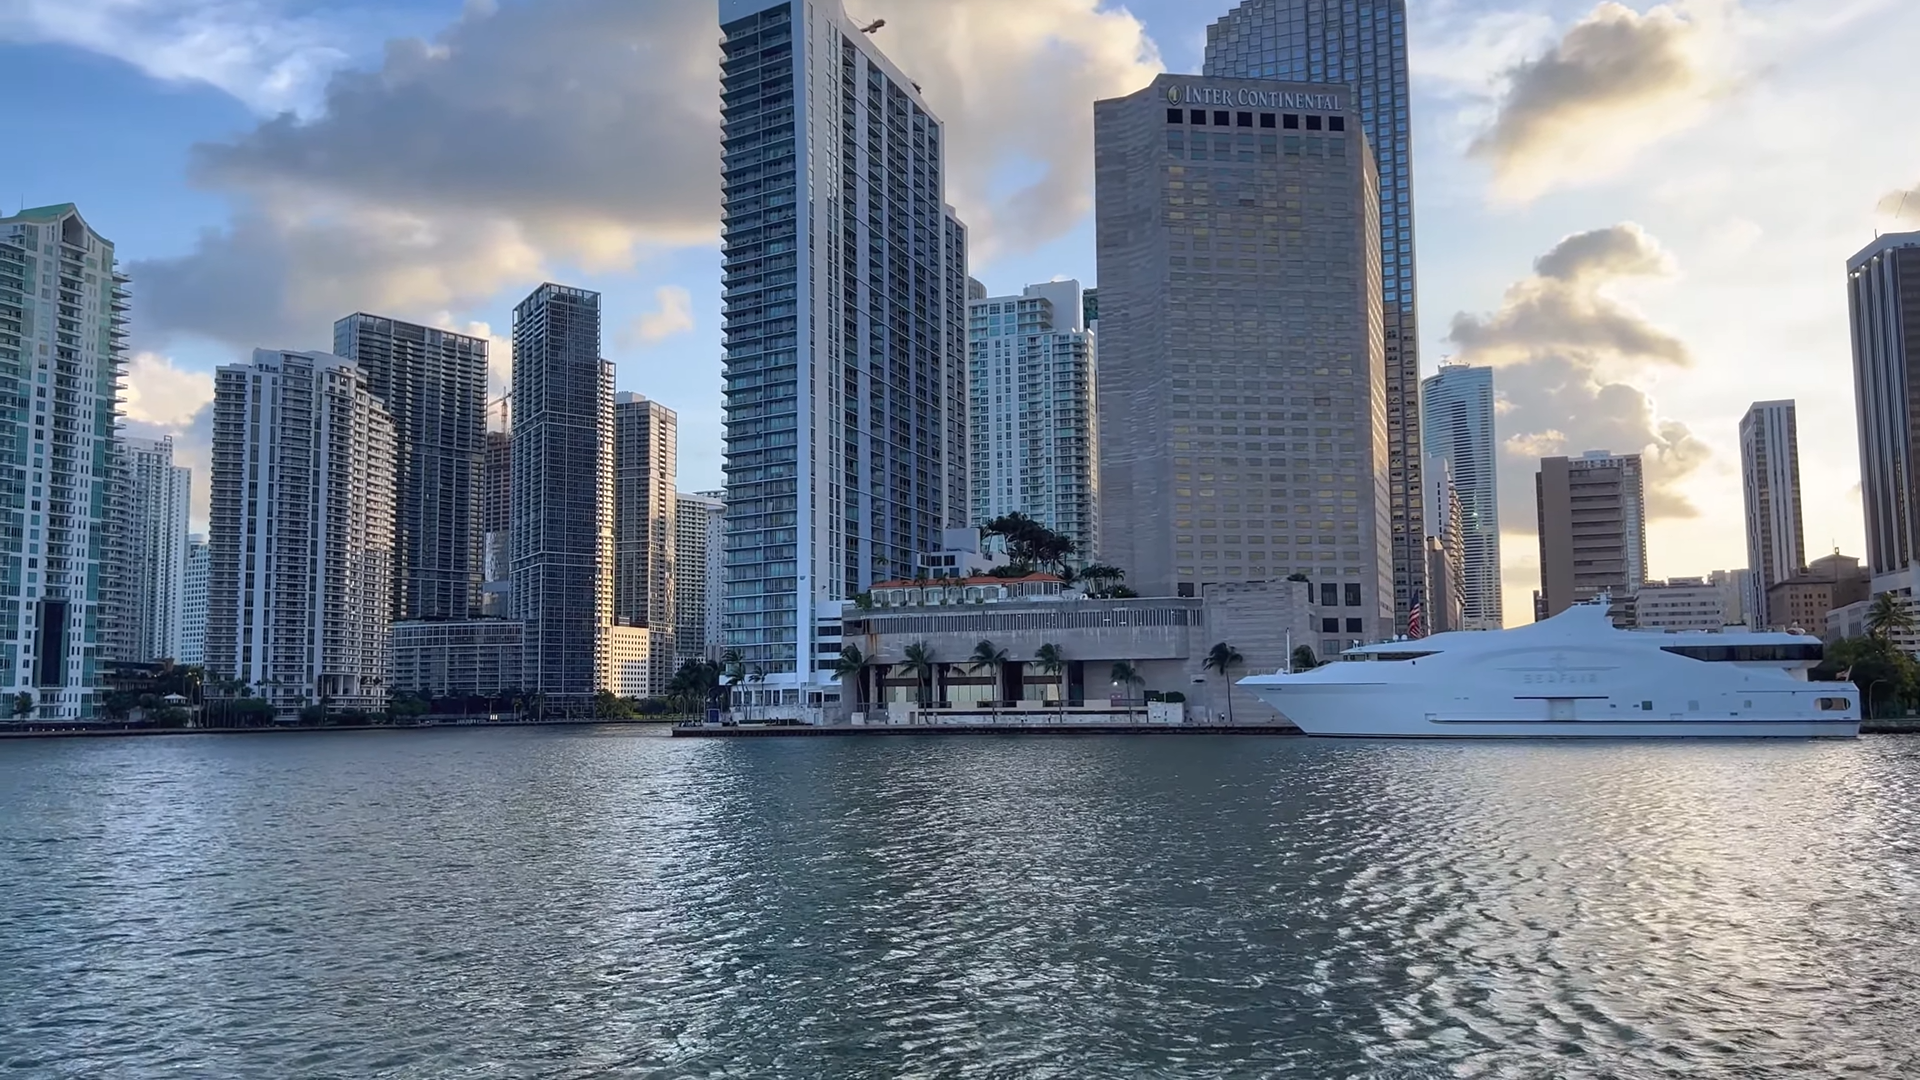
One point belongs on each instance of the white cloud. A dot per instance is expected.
(672, 314)
(159, 393)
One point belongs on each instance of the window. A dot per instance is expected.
(1220, 118)
(1244, 119)
(1185, 588)
(1354, 627)
(1292, 120)
(1835, 704)
(1197, 116)
(1175, 116)
(1329, 626)
(1266, 119)
(1329, 594)
(1336, 123)
(1353, 595)
(1313, 123)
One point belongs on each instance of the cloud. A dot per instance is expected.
(1569, 356)
(159, 393)
(673, 315)
(1616, 83)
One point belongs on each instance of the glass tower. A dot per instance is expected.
(1457, 424)
(1362, 44)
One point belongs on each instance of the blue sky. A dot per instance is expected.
(1698, 170)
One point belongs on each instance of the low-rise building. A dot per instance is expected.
(1804, 599)
(630, 663)
(461, 658)
(1688, 603)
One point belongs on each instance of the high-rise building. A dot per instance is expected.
(561, 549)
(193, 602)
(1362, 45)
(1770, 470)
(496, 510)
(1444, 605)
(1031, 371)
(63, 318)
(158, 496)
(845, 348)
(1883, 292)
(434, 385)
(300, 567)
(1456, 407)
(1593, 528)
(700, 536)
(645, 578)
(1243, 426)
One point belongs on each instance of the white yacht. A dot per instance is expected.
(1574, 675)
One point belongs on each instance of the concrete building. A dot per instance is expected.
(700, 536)
(1443, 608)
(1770, 474)
(1243, 422)
(159, 493)
(63, 327)
(1166, 639)
(300, 568)
(1735, 593)
(561, 544)
(845, 341)
(193, 602)
(496, 511)
(1361, 45)
(1805, 599)
(464, 658)
(645, 464)
(1680, 604)
(1592, 515)
(630, 663)
(1031, 374)
(434, 385)
(1883, 293)
(1456, 408)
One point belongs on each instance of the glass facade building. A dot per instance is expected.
(1457, 425)
(1361, 44)
(844, 311)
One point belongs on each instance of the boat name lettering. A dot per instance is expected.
(1559, 677)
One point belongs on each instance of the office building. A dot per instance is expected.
(496, 510)
(300, 566)
(1770, 473)
(1883, 294)
(700, 536)
(1243, 410)
(1822, 586)
(645, 464)
(1686, 603)
(561, 544)
(158, 497)
(1030, 374)
(434, 385)
(1735, 594)
(63, 327)
(1443, 608)
(1592, 515)
(461, 659)
(193, 602)
(1359, 45)
(1456, 407)
(845, 347)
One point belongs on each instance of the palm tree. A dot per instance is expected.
(1888, 616)
(1053, 661)
(919, 659)
(853, 662)
(1126, 675)
(1222, 658)
(985, 655)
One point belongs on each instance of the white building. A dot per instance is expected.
(1032, 435)
(844, 303)
(1687, 603)
(193, 602)
(645, 538)
(462, 658)
(158, 495)
(1770, 473)
(1456, 408)
(700, 536)
(300, 574)
(629, 666)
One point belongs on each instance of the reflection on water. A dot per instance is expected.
(527, 903)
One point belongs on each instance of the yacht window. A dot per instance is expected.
(1748, 653)
(1646, 706)
(1835, 704)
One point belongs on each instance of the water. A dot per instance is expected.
(586, 903)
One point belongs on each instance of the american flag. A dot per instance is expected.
(1416, 623)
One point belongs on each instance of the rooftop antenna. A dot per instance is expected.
(872, 26)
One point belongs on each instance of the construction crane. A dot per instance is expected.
(872, 26)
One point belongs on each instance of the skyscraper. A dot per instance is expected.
(193, 602)
(1360, 44)
(1456, 423)
(158, 496)
(1444, 604)
(1593, 528)
(300, 567)
(1770, 471)
(645, 462)
(1883, 292)
(434, 385)
(1031, 371)
(1242, 405)
(496, 510)
(63, 305)
(700, 532)
(845, 347)
(561, 548)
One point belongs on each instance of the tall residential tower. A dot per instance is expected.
(645, 461)
(1362, 45)
(1770, 473)
(844, 300)
(1456, 423)
(1883, 292)
(158, 495)
(1593, 528)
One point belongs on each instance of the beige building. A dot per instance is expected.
(1242, 405)
(645, 541)
(1681, 604)
(1805, 599)
(1592, 516)
(630, 656)
(1444, 606)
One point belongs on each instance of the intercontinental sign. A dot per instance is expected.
(1178, 94)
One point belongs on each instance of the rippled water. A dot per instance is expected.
(547, 903)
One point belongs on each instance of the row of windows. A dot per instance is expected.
(1224, 118)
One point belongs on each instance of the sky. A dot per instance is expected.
(1639, 213)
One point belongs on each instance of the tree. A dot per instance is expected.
(1888, 617)
(23, 704)
(1029, 543)
(405, 705)
(985, 655)
(1223, 658)
(919, 659)
(1882, 672)
(1126, 675)
(852, 662)
(1100, 578)
(1053, 661)
(608, 705)
(1303, 658)
(695, 685)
